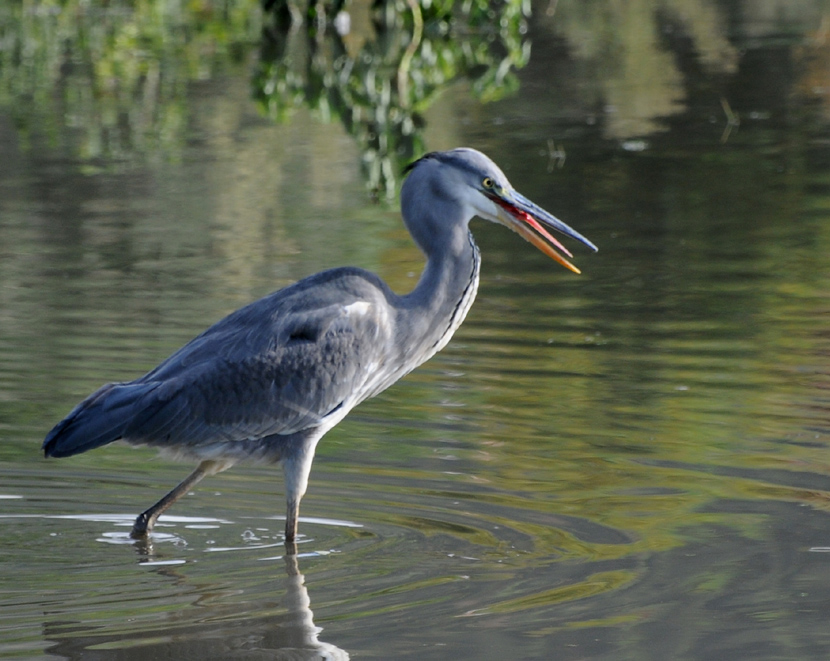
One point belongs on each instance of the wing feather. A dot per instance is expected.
(278, 366)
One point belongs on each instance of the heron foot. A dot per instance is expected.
(143, 525)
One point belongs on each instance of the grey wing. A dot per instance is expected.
(255, 375)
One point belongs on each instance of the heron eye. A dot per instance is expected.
(488, 182)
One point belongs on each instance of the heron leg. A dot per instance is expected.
(296, 466)
(292, 516)
(147, 519)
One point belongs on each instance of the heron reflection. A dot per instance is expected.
(210, 627)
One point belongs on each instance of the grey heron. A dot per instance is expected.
(269, 380)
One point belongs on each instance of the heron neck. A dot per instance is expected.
(445, 291)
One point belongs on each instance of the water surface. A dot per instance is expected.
(628, 464)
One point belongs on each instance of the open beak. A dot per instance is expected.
(528, 220)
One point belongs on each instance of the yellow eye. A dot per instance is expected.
(488, 183)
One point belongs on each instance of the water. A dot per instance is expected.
(628, 464)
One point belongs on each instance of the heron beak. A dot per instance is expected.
(527, 220)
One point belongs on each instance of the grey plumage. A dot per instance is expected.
(269, 380)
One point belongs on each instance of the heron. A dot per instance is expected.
(269, 380)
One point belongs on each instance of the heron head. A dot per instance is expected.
(476, 186)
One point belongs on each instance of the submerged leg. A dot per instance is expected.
(147, 519)
(292, 516)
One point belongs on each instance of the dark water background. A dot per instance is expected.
(628, 464)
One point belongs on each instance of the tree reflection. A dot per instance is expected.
(111, 78)
(409, 53)
(118, 74)
(628, 61)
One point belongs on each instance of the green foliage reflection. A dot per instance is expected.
(116, 72)
(410, 52)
